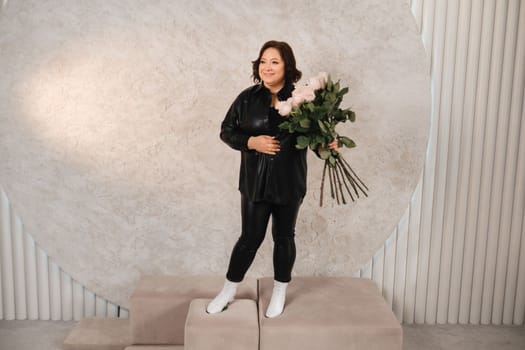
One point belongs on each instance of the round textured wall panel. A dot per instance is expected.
(109, 129)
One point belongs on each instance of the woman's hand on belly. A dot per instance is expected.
(264, 144)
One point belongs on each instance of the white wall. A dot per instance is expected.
(33, 286)
(458, 254)
(109, 129)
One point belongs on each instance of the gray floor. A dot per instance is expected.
(464, 337)
(33, 335)
(48, 335)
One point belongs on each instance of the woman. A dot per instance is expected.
(272, 178)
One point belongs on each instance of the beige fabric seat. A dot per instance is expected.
(98, 334)
(329, 313)
(236, 328)
(159, 305)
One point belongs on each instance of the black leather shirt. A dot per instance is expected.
(279, 178)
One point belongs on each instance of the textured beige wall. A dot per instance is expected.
(109, 121)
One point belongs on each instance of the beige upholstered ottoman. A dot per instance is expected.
(329, 313)
(159, 305)
(98, 334)
(236, 328)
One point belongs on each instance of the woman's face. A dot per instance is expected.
(271, 68)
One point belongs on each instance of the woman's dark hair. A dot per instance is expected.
(291, 73)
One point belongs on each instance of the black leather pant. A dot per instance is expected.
(255, 217)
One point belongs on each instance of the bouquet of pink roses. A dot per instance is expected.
(313, 112)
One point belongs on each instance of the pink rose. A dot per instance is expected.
(315, 83)
(323, 77)
(284, 107)
(297, 100)
(306, 92)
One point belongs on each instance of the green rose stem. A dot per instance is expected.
(344, 180)
(339, 182)
(330, 174)
(322, 184)
(341, 177)
(334, 179)
(349, 169)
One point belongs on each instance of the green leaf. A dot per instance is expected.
(339, 116)
(325, 154)
(322, 126)
(309, 106)
(284, 125)
(331, 98)
(305, 123)
(331, 159)
(302, 142)
(346, 141)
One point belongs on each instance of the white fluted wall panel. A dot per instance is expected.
(465, 237)
(33, 287)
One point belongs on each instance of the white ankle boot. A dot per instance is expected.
(278, 299)
(222, 300)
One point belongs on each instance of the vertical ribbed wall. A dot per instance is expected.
(33, 287)
(458, 253)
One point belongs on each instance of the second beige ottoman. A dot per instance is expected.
(236, 328)
(329, 313)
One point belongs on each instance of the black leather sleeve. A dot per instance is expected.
(231, 132)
